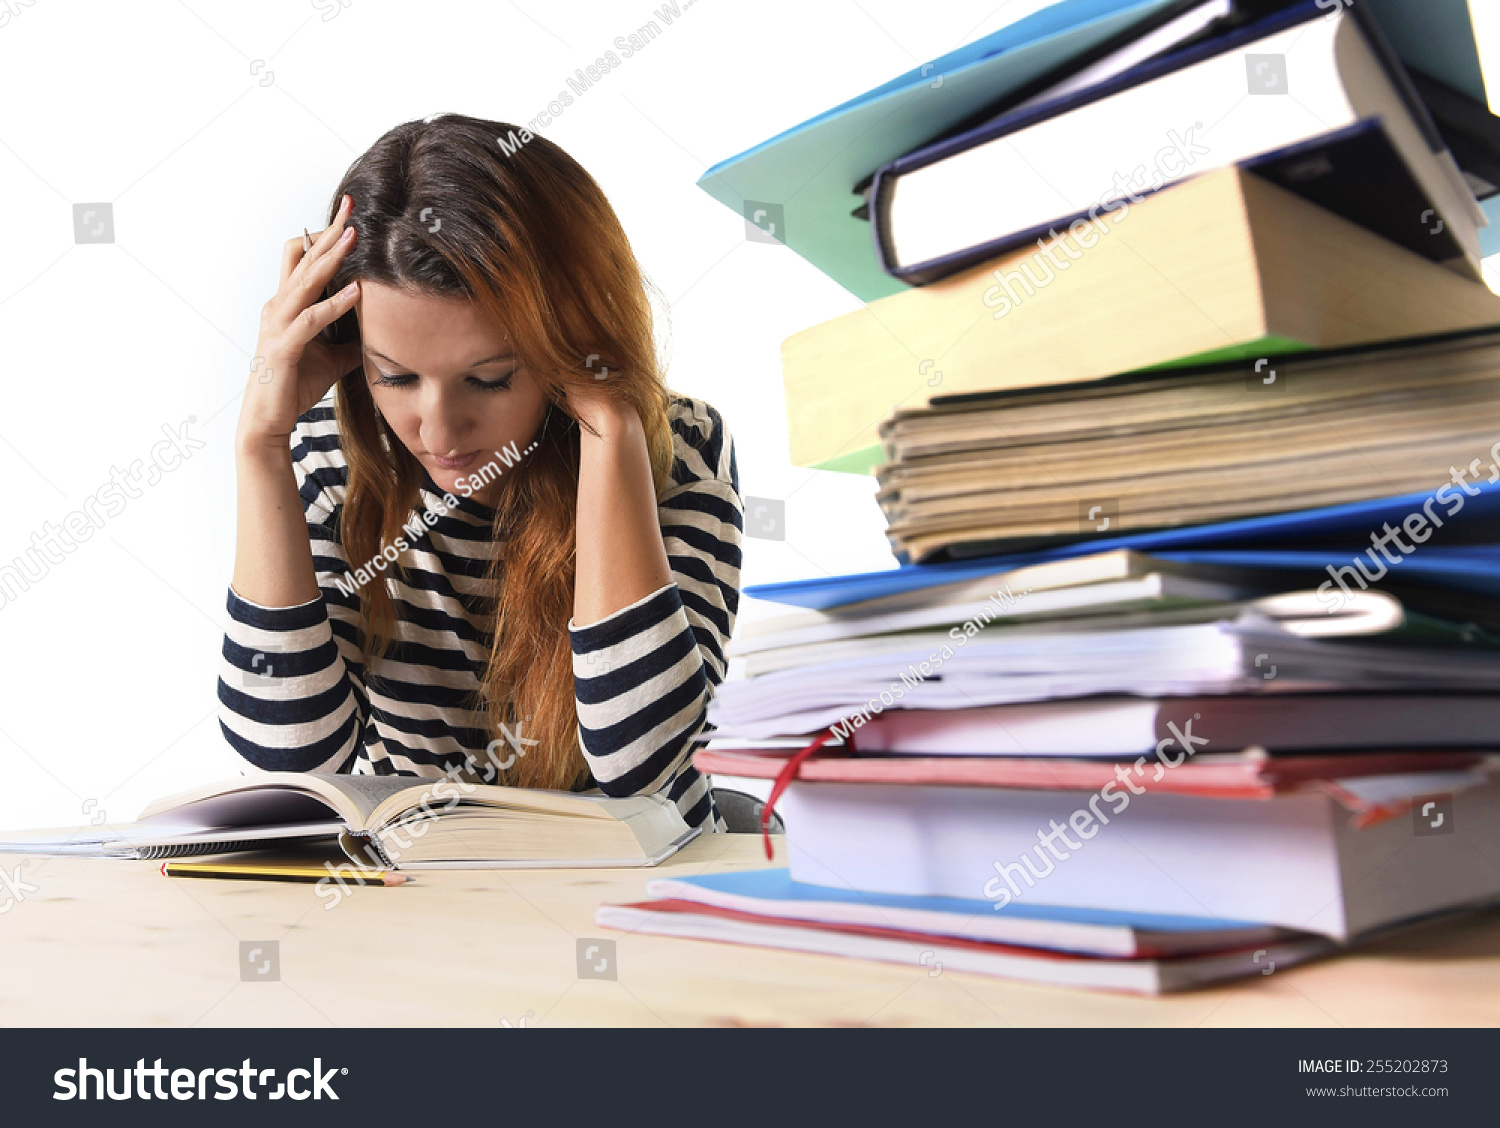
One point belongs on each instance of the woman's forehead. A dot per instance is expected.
(411, 328)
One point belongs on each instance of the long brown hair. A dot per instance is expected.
(529, 236)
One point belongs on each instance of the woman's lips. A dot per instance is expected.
(454, 462)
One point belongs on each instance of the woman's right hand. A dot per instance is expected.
(294, 367)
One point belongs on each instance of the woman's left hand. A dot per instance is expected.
(599, 415)
(621, 557)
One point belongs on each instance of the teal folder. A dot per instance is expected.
(810, 170)
(1435, 37)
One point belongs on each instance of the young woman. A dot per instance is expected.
(500, 545)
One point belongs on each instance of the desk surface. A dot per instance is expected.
(102, 943)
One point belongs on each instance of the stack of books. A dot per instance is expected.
(1192, 662)
(1009, 471)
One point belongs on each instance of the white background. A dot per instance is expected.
(108, 665)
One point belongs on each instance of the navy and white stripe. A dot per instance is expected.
(295, 695)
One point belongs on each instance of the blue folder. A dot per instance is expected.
(777, 885)
(1468, 557)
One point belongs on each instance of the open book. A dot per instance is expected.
(397, 822)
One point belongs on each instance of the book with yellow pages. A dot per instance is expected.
(395, 822)
(1221, 267)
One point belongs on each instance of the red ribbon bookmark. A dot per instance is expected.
(785, 776)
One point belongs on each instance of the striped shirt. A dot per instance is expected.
(295, 695)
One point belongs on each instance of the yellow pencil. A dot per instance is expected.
(252, 871)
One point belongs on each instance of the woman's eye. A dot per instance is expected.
(386, 380)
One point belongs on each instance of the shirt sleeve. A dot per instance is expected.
(291, 694)
(644, 676)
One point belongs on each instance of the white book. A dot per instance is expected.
(1300, 860)
(1333, 81)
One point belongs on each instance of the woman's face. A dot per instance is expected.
(449, 385)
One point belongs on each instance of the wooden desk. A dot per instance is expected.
(106, 943)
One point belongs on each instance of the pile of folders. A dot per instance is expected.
(1192, 663)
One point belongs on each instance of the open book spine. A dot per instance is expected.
(365, 849)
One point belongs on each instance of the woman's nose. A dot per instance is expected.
(444, 428)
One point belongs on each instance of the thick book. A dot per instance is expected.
(937, 952)
(1300, 860)
(1222, 266)
(1353, 137)
(395, 822)
(979, 474)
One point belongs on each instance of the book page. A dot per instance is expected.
(273, 797)
(367, 792)
(439, 794)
